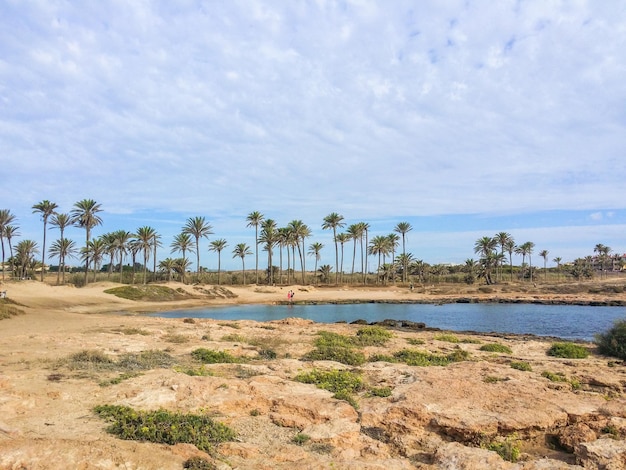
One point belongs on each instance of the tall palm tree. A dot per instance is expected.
(300, 231)
(108, 240)
(199, 228)
(379, 246)
(85, 215)
(502, 239)
(558, 261)
(6, 219)
(364, 228)
(121, 242)
(182, 243)
(156, 243)
(333, 221)
(526, 249)
(61, 221)
(46, 209)
(181, 266)
(509, 247)
(403, 228)
(10, 232)
(544, 255)
(486, 246)
(146, 236)
(603, 253)
(242, 250)
(355, 232)
(404, 260)
(342, 238)
(218, 246)
(269, 238)
(392, 239)
(63, 247)
(254, 219)
(315, 249)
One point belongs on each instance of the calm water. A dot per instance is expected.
(564, 321)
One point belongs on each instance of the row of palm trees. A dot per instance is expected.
(117, 245)
(491, 259)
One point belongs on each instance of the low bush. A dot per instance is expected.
(413, 357)
(508, 448)
(553, 376)
(332, 380)
(496, 347)
(521, 365)
(341, 354)
(164, 427)
(613, 342)
(301, 439)
(568, 351)
(208, 356)
(449, 338)
(372, 336)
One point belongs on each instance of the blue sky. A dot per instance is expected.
(464, 118)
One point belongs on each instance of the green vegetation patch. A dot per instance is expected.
(164, 427)
(568, 351)
(554, 376)
(413, 357)
(449, 338)
(507, 448)
(341, 354)
(372, 336)
(147, 293)
(208, 356)
(341, 382)
(613, 342)
(521, 365)
(496, 347)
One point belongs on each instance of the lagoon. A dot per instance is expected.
(573, 322)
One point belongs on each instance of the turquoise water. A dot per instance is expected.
(565, 321)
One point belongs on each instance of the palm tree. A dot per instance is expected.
(156, 243)
(324, 271)
(218, 246)
(254, 220)
(63, 247)
(509, 247)
(503, 239)
(544, 255)
(61, 221)
(146, 237)
(168, 265)
(403, 228)
(85, 215)
(181, 266)
(342, 238)
(470, 270)
(269, 237)
(242, 250)
(46, 209)
(526, 249)
(486, 246)
(364, 231)
(300, 232)
(315, 249)
(404, 260)
(355, 232)
(333, 221)
(121, 240)
(603, 253)
(393, 239)
(10, 232)
(6, 219)
(25, 252)
(182, 243)
(558, 260)
(198, 227)
(379, 246)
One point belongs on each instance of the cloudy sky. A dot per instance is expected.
(464, 118)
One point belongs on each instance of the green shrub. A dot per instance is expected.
(413, 357)
(415, 341)
(382, 392)
(339, 354)
(198, 463)
(332, 380)
(195, 372)
(234, 338)
(508, 449)
(496, 347)
(146, 360)
(449, 338)
(330, 339)
(553, 376)
(568, 351)
(613, 342)
(164, 427)
(346, 396)
(209, 356)
(300, 439)
(521, 365)
(382, 358)
(372, 336)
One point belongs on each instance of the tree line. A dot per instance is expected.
(352, 247)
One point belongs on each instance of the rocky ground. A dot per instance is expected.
(559, 413)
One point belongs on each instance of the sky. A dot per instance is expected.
(463, 118)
